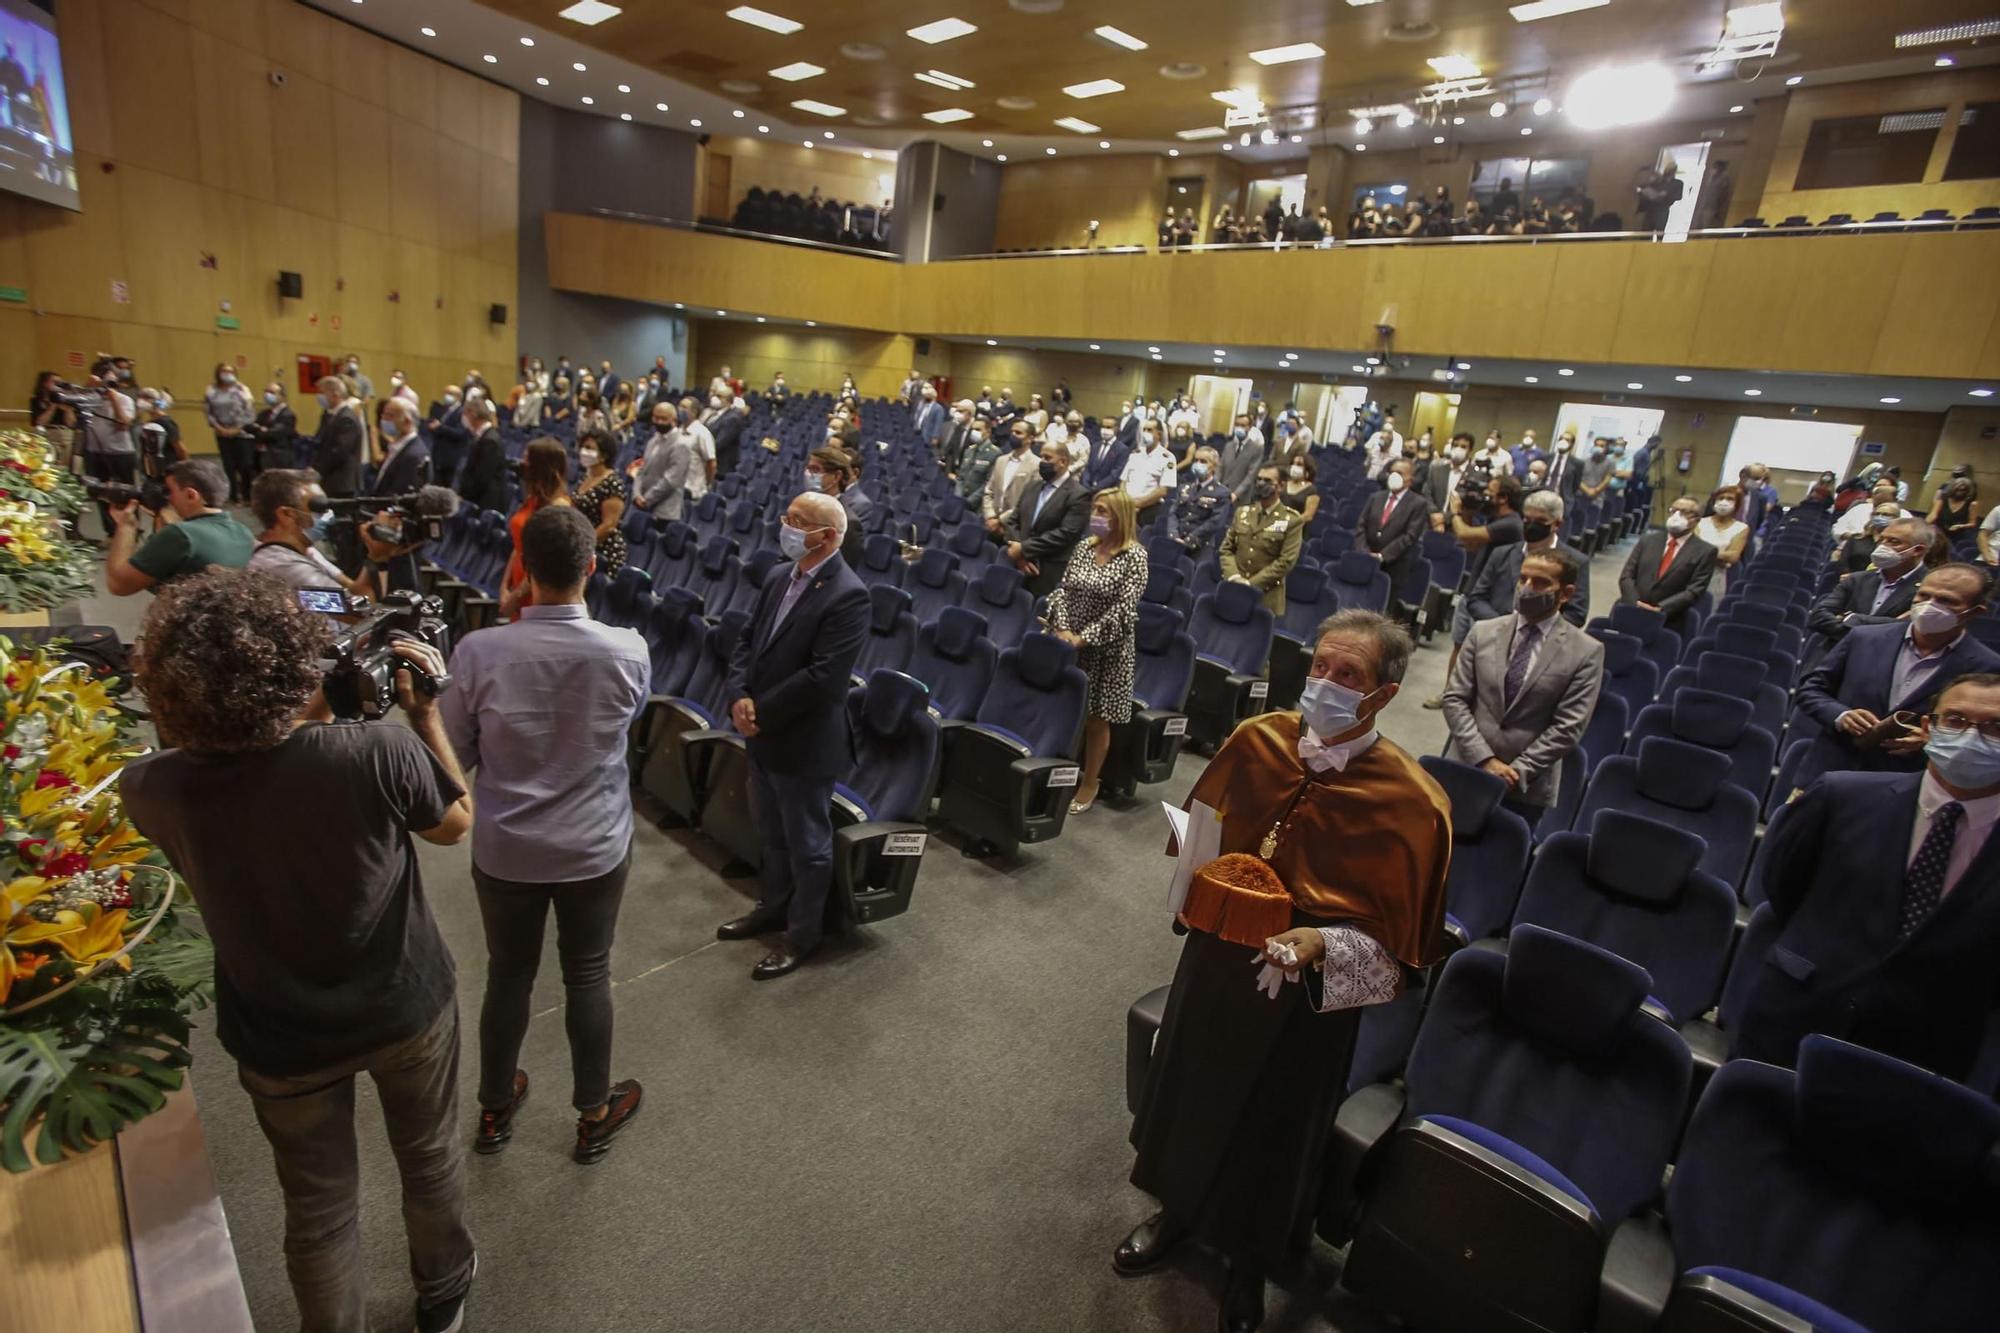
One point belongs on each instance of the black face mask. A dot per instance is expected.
(1050, 471)
(1266, 489)
(1535, 605)
(1537, 529)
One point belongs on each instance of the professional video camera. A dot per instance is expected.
(360, 680)
(419, 514)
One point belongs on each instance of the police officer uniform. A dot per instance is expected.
(1262, 546)
(973, 468)
(1200, 513)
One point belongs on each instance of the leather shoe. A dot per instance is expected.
(758, 922)
(1242, 1307)
(781, 961)
(1148, 1246)
(593, 1137)
(496, 1127)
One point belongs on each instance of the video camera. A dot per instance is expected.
(151, 493)
(420, 514)
(360, 680)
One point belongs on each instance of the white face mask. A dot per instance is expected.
(1395, 482)
(1933, 618)
(1724, 508)
(1678, 523)
(1297, 472)
(588, 457)
(1456, 453)
(715, 400)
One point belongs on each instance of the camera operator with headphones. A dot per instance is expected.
(328, 962)
(198, 534)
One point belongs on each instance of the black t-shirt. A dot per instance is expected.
(1502, 531)
(301, 861)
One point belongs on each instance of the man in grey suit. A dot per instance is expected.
(1524, 687)
(662, 475)
(1009, 477)
(1242, 454)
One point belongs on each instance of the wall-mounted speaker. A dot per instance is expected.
(923, 347)
(497, 314)
(291, 284)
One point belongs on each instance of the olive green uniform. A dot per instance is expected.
(1262, 546)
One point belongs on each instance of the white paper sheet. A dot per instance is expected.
(1198, 831)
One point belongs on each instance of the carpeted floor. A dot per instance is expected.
(923, 1129)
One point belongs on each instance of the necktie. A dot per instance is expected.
(1517, 665)
(1667, 556)
(1923, 886)
(1389, 508)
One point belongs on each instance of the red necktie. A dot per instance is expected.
(1667, 556)
(1390, 507)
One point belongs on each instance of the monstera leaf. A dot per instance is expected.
(86, 1079)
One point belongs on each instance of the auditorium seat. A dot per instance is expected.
(879, 809)
(665, 774)
(594, 589)
(1856, 1193)
(956, 660)
(1628, 673)
(881, 562)
(973, 546)
(673, 553)
(1147, 748)
(1740, 677)
(934, 583)
(706, 516)
(1232, 631)
(1717, 722)
(1538, 1111)
(892, 633)
(1662, 647)
(1686, 786)
(1009, 774)
(1166, 586)
(1358, 580)
(628, 601)
(998, 593)
(1295, 634)
(748, 585)
(713, 578)
(1489, 849)
(1633, 885)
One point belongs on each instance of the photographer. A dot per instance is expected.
(284, 501)
(198, 535)
(540, 709)
(1496, 502)
(108, 452)
(328, 962)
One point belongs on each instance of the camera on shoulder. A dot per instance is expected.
(360, 668)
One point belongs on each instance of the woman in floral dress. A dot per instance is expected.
(1096, 609)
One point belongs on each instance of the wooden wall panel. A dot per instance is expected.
(231, 91)
(1820, 330)
(1746, 300)
(148, 56)
(301, 114)
(1584, 304)
(1049, 204)
(458, 106)
(1944, 295)
(301, 39)
(1656, 321)
(238, 22)
(413, 93)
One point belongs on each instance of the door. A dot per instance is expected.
(718, 204)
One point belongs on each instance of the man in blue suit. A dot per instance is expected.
(930, 418)
(1105, 463)
(1883, 883)
(1878, 671)
(788, 683)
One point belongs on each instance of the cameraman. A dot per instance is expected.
(198, 535)
(1498, 505)
(327, 960)
(284, 501)
(108, 453)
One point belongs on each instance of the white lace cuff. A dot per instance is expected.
(1356, 970)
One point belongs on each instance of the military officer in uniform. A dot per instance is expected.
(1202, 507)
(1263, 541)
(976, 463)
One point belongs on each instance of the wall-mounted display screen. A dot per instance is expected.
(37, 155)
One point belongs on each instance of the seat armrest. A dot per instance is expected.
(989, 736)
(1361, 1126)
(1638, 1276)
(875, 865)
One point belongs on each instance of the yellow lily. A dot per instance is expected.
(103, 935)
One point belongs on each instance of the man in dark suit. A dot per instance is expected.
(1047, 522)
(788, 682)
(1445, 475)
(1879, 595)
(448, 437)
(1563, 470)
(480, 480)
(1669, 571)
(1392, 523)
(338, 447)
(728, 433)
(1492, 593)
(1128, 425)
(1878, 671)
(1881, 883)
(406, 459)
(957, 438)
(1109, 453)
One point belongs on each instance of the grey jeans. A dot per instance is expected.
(309, 1120)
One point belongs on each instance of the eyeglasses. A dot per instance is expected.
(1954, 724)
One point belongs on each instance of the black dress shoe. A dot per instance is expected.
(1242, 1300)
(781, 961)
(496, 1127)
(1148, 1246)
(593, 1137)
(758, 922)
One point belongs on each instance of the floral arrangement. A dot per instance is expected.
(40, 566)
(100, 958)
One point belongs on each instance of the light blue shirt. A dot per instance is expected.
(540, 709)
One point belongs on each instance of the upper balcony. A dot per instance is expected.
(1886, 301)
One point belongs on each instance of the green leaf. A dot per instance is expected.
(85, 1083)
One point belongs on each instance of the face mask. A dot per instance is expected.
(1329, 707)
(1100, 526)
(1238, 433)
(1597, 455)
(792, 543)
(1456, 453)
(1296, 472)
(662, 427)
(1724, 508)
(815, 481)
(1535, 605)
(1888, 557)
(682, 416)
(1964, 759)
(322, 527)
(228, 377)
(1562, 446)
(1266, 489)
(1199, 470)
(959, 417)
(1536, 529)
(588, 457)
(353, 366)
(1933, 618)
(1394, 481)
(1050, 472)
(1150, 441)
(1881, 521)
(1678, 523)
(1537, 479)
(715, 400)
(271, 398)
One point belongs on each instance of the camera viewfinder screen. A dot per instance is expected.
(37, 155)
(327, 601)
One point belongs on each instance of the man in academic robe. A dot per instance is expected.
(1242, 1087)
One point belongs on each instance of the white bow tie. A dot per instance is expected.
(1317, 755)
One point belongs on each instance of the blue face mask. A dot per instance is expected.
(1329, 707)
(1199, 470)
(322, 527)
(1965, 759)
(792, 542)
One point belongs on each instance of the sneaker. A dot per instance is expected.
(593, 1137)
(1435, 701)
(447, 1316)
(496, 1127)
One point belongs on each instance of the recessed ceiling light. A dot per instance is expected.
(812, 323)
(1458, 120)
(579, 67)
(819, 108)
(723, 313)
(1285, 55)
(1363, 125)
(1635, 385)
(1201, 132)
(826, 134)
(527, 41)
(624, 115)
(679, 306)
(760, 319)
(1543, 106)
(590, 101)
(1359, 148)
(738, 113)
(1795, 80)
(1239, 97)
(1298, 138)
(1565, 371)
(542, 80)
(1361, 370)
(1050, 151)
(992, 342)
(590, 13)
(1229, 148)
(1683, 379)
(1889, 400)
(1531, 379)
(1220, 352)
(809, 143)
(1546, 9)
(1119, 37)
(624, 87)
(798, 69)
(1463, 365)
(948, 115)
(1753, 393)
(1497, 109)
(1095, 88)
(1527, 129)
(490, 58)
(1079, 126)
(1736, 110)
(1454, 66)
(868, 157)
(1437, 138)
(758, 18)
(695, 123)
(428, 32)
(1943, 62)
(1980, 393)
(1154, 350)
(943, 30)
(1156, 356)
(999, 157)
(1104, 143)
(1095, 348)
(1404, 120)
(1373, 360)
(1173, 152)
(944, 80)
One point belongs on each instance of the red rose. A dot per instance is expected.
(69, 863)
(6, 539)
(11, 752)
(17, 466)
(48, 777)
